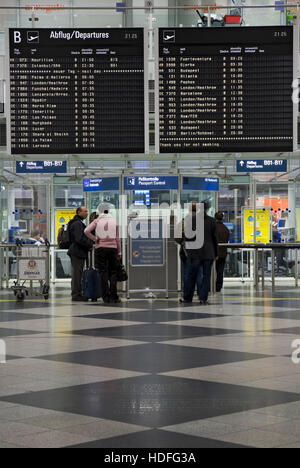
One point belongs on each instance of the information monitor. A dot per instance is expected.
(225, 90)
(77, 91)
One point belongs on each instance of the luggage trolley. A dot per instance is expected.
(33, 265)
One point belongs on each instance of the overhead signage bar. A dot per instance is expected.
(151, 183)
(105, 184)
(264, 165)
(210, 184)
(41, 167)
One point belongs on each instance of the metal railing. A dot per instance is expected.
(259, 247)
(152, 8)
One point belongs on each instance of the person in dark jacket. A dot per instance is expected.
(179, 232)
(223, 238)
(78, 251)
(200, 259)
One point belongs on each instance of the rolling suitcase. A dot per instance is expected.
(91, 281)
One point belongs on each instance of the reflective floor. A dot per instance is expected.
(151, 373)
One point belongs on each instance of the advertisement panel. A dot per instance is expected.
(63, 217)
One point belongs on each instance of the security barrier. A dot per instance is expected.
(8, 262)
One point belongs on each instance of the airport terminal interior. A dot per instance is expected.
(146, 107)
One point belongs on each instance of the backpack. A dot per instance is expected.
(63, 238)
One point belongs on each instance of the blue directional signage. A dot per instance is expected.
(263, 165)
(210, 184)
(41, 167)
(121, 7)
(279, 5)
(101, 185)
(151, 183)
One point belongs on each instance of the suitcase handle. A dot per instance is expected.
(90, 262)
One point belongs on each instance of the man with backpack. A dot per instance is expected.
(79, 247)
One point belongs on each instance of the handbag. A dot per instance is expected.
(122, 275)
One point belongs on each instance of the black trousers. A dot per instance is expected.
(77, 271)
(220, 265)
(106, 262)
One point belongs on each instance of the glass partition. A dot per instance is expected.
(27, 213)
(3, 211)
(232, 198)
(68, 196)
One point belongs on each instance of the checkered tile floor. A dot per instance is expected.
(151, 373)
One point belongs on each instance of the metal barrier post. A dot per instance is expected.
(1, 268)
(263, 269)
(256, 275)
(296, 268)
(213, 282)
(167, 263)
(273, 269)
(7, 268)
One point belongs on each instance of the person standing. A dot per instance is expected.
(78, 251)
(108, 252)
(183, 254)
(223, 238)
(200, 259)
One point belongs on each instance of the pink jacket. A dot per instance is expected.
(107, 233)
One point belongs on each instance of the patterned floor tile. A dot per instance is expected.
(158, 439)
(152, 401)
(152, 332)
(153, 357)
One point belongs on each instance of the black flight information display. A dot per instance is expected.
(225, 89)
(77, 90)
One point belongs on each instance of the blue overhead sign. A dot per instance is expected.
(151, 183)
(210, 184)
(263, 165)
(41, 167)
(279, 5)
(121, 7)
(101, 185)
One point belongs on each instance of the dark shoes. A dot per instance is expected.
(79, 299)
(109, 300)
(204, 302)
(184, 301)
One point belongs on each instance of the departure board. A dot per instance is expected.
(77, 91)
(225, 90)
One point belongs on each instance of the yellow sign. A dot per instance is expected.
(262, 226)
(63, 217)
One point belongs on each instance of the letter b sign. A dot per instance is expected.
(17, 37)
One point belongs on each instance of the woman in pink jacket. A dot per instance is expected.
(108, 252)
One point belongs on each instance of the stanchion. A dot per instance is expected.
(273, 268)
(7, 268)
(256, 275)
(263, 269)
(296, 268)
(1, 268)
(213, 282)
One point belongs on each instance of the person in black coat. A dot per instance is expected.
(78, 251)
(200, 258)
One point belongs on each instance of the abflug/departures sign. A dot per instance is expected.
(225, 89)
(77, 91)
